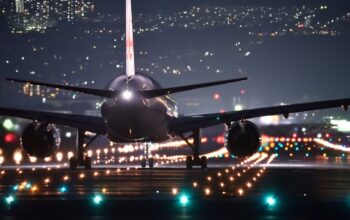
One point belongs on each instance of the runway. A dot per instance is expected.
(298, 192)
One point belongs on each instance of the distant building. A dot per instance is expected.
(20, 6)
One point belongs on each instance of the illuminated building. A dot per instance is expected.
(20, 6)
(38, 15)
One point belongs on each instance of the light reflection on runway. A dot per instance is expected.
(117, 182)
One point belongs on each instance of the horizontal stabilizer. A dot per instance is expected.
(96, 92)
(166, 91)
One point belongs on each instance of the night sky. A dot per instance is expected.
(291, 60)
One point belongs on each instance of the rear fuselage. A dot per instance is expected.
(130, 117)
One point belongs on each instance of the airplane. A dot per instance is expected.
(137, 109)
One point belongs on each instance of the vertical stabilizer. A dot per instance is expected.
(129, 40)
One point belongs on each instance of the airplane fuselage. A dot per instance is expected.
(130, 117)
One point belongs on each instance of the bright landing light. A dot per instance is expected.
(127, 95)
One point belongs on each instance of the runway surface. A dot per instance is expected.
(271, 192)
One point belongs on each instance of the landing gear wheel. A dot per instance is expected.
(143, 163)
(189, 162)
(87, 163)
(150, 162)
(203, 162)
(73, 163)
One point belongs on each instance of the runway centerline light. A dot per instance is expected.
(184, 200)
(97, 199)
(63, 189)
(9, 199)
(270, 201)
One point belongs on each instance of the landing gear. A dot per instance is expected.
(147, 158)
(86, 163)
(82, 159)
(189, 162)
(143, 163)
(73, 163)
(195, 160)
(150, 162)
(203, 162)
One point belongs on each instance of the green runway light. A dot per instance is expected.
(270, 201)
(9, 200)
(184, 200)
(97, 199)
(28, 185)
(63, 189)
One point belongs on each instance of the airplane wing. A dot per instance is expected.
(88, 123)
(189, 123)
(89, 91)
(146, 93)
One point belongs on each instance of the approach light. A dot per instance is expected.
(270, 201)
(97, 199)
(9, 199)
(127, 95)
(184, 200)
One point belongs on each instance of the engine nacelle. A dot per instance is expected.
(40, 139)
(243, 139)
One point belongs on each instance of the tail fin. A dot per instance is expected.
(129, 40)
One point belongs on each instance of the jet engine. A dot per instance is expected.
(243, 139)
(40, 139)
